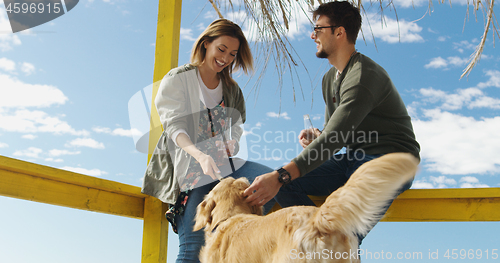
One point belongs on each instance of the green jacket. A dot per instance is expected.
(178, 105)
(364, 111)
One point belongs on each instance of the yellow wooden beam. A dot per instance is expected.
(166, 57)
(155, 233)
(440, 205)
(50, 173)
(28, 181)
(450, 205)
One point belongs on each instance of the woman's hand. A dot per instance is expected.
(207, 163)
(307, 136)
(208, 166)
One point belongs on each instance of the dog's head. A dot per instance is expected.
(223, 202)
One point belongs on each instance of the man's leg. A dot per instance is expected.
(323, 180)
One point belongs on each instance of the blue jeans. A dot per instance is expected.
(191, 242)
(327, 178)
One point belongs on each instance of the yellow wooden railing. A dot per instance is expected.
(34, 182)
(28, 181)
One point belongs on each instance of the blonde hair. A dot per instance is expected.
(218, 28)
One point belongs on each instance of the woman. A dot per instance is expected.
(200, 106)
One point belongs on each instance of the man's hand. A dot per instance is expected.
(307, 136)
(263, 189)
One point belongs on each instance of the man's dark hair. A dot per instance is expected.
(341, 13)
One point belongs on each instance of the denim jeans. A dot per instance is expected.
(327, 178)
(191, 242)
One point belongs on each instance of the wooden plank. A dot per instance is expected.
(450, 193)
(166, 57)
(38, 189)
(50, 173)
(440, 205)
(155, 232)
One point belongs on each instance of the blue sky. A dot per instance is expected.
(65, 88)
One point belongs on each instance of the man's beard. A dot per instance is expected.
(321, 54)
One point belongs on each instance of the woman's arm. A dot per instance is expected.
(207, 163)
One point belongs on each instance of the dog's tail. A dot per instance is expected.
(357, 206)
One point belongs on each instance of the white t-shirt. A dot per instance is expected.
(209, 97)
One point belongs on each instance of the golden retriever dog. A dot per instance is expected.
(236, 232)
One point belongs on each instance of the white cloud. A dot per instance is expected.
(469, 179)
(283, 115)
(29, 136)
(201, 26)
(442, 181)
(471, 182)
(442, 38)
(53, 160)
(118, 131)
(27, 68)
(31, 152)
(7, 40)
(446, 182)
(412, 3)
(391, 30)
(27, 121)
(3, 145)
(101, 130)
(471, 98)
(126, 133)
(86, 142)
(419, 184)
(494, 80)
(56, 152)
(187, 34)
(460, 46)
(457, 61)
(7, 65)
(16, 93)
(455, 144)
(91, 172)
(440, 62)
(17, 96)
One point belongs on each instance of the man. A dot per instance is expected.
(364, 113)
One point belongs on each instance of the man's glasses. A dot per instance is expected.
(317, 28)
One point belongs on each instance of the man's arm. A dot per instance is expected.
(266, 186)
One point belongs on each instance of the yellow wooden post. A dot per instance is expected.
(155, 230)
(166, 57)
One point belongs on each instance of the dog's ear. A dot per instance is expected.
(204, 214)
(254, 209)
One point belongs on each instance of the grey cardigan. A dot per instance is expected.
(178, 105)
